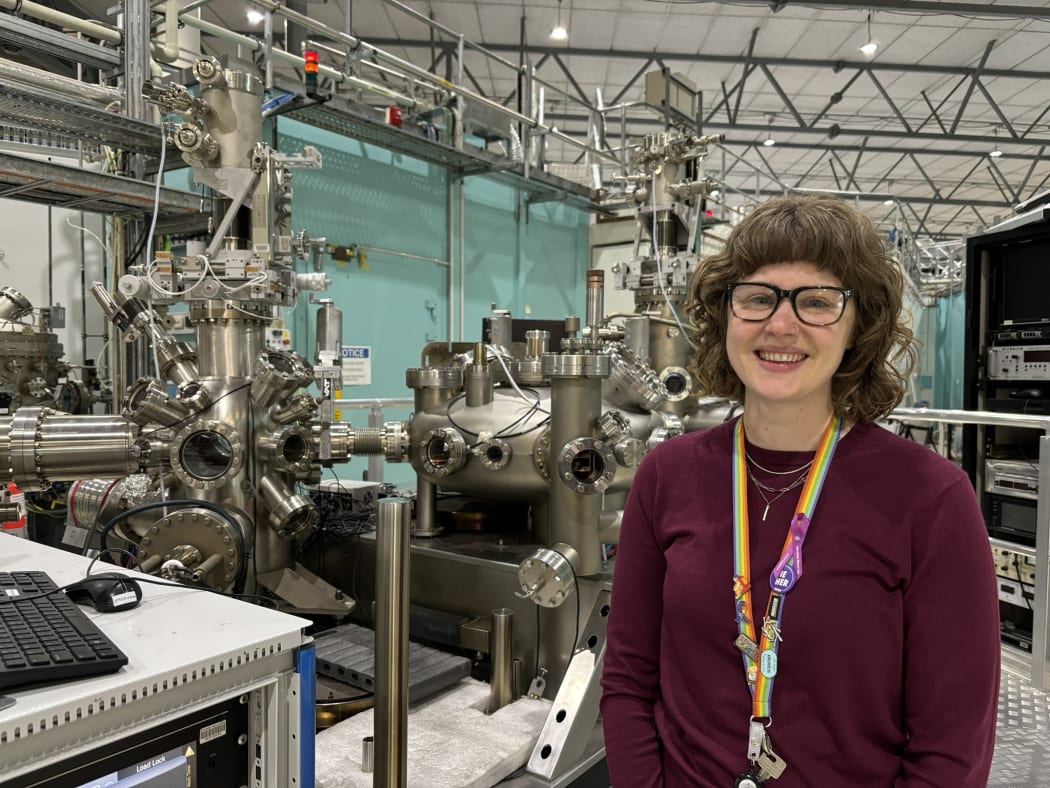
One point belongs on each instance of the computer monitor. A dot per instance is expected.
(209, 747)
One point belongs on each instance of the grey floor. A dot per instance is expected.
(1022, 745)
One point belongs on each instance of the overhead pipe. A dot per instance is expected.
(96, 30)
(168, 52)
(350, 40)
(64, 85)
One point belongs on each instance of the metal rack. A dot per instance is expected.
(65, 186)
(1039, 667)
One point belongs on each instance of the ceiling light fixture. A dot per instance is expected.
(255, 16)
(770, 141)
(996, 153)
(870, 48)
(559, 32)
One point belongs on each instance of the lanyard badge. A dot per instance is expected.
(759, 646)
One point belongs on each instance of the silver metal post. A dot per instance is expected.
(393, 519)
(501, 655)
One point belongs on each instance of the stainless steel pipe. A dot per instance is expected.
(393, 520)
(40, 446)
(501, 657)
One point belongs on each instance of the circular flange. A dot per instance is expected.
(289, 449)
(210, 533)
(443, 451)
(214, 453)
(677, 382)
(582, 365)
(634, 378)
(528, 372)
(494, 453)
(587, 465)
(546, 577)
(434, 378)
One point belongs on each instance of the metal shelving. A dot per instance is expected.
(65, 186)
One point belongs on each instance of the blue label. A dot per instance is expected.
(356, 352)
(769, 663)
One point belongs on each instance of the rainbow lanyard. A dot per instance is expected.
(760, 653)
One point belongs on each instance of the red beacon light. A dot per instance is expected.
(311, 65)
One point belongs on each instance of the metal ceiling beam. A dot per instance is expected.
(876, 197)
(888, 99)
(915, 6)
(740, 84)
(829, 132)
(929, 180)
(835, 98)
(886, 175)
(1002, 183)
(631, 81)
(572, 79)
(757, 60)
(724, 101)
(974, 79)
(951, 221)
(813, 166)
(1031, 169)
(783, 96)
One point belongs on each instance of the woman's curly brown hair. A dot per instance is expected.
(827, 232)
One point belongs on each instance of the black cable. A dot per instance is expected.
(576, 636)
(108, 551)
(536, 672)
(252, 471)
(200, 412)
(1017, 569)
(500, 433)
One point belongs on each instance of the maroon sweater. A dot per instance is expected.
(889, 667)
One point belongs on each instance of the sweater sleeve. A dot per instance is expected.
(631, 676)
(951, 647)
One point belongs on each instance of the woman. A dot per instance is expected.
(879, 664)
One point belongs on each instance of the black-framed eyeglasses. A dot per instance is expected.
(813, 305)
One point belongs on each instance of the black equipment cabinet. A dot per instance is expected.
(1007, 370)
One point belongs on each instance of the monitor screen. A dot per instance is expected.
(175, 768)
(1024, 284)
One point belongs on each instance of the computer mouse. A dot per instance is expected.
(107, 593)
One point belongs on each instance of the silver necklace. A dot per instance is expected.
(777, 473)
(780, 492)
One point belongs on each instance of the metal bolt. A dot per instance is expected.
(242, 739)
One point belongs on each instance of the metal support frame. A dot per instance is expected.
(572, 717)
(1040, 658)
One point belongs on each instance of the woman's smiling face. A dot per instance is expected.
(781, 360)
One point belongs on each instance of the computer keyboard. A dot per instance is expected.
(48, 639)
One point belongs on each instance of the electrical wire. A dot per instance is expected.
(201, 412)
(85, 230)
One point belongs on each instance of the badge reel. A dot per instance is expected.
(747, 781)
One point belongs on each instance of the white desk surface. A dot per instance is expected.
(176, 636)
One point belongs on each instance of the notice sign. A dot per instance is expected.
(357, 365)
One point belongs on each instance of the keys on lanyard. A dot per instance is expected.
(765, 763)
(769, 765)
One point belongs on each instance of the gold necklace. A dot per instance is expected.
(780, 491)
